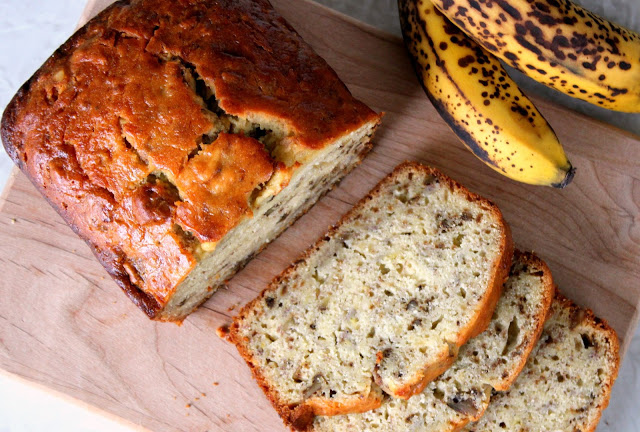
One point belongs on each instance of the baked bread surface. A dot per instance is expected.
(162, 125)
(383, 301)
(491, 360)
(566, 383)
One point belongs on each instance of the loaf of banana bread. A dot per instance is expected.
(178, 138)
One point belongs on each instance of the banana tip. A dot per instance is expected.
(567, 178)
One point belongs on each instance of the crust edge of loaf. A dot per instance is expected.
(139, 298)
(11, 110)
(300, 417)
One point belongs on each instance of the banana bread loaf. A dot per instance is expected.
(566, 383)
(384, 301)
(178, 138)
(489, 361)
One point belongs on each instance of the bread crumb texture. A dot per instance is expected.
(159, 127)
(566, 383)
(387, 294)
(488, 361)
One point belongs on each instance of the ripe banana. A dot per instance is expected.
(479, 101)
(559, 44)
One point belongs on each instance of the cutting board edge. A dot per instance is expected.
(633, 327)
(68, 398)
(4, 195)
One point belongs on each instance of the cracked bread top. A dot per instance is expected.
(156, 126)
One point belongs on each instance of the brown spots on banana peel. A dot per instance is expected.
(559, 44)
(466, 61)
(464, 82)
(463, 134)
(513, 12)
(487, 71)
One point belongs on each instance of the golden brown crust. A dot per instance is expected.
(216, 185)
(303, 414)
(302, 420)
(13, 137)
(444, 361)
(497, 283)
(260, 65)
(111, 124)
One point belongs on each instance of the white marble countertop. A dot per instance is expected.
(31, 29)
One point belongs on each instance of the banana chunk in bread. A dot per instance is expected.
(384, 301)
(491, 360)
(566, 383)
(177, 139)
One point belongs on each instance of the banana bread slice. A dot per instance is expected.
(566, 383)
(178, 138)
(385, 299)
(491, 360)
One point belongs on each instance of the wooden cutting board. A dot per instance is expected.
(65, 324)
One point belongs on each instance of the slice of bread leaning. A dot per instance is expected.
(492, 360)
(566, 383)
(383, 301)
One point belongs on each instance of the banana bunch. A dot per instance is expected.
(559, 44)
(479, 101)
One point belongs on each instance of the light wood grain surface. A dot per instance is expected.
(64, 324)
